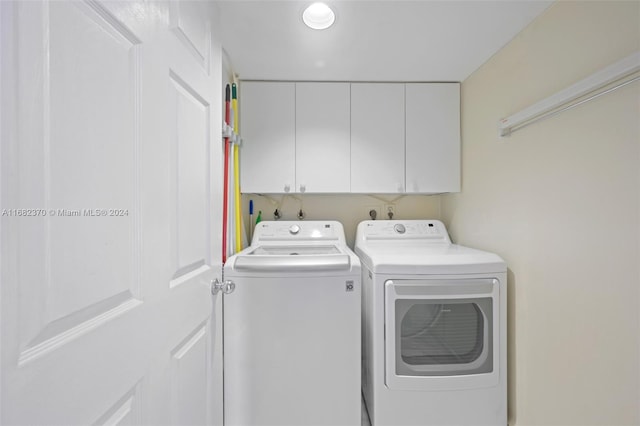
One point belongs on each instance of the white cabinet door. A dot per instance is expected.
(111, 134)
(322, 137)
(267, 128)
(432, 137)
(377, 137)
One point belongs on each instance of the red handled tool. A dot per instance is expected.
(225, 200)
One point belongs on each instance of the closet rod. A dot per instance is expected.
(604, 81)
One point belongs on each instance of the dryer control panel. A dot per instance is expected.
(428, 230)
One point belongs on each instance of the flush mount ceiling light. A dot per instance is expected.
(318, 16)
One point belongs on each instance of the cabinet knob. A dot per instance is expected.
(287, 188)
(303, 188)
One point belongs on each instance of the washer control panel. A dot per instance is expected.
(430, 230)
(307, 230)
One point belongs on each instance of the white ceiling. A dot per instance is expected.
(371, 40)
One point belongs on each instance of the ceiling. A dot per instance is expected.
(379, 40)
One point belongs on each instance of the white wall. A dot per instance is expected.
(559, 200)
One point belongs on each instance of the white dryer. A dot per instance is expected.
(292, 346)
(434, 327)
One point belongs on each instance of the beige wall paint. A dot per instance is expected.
(348, 209)
(559, 200)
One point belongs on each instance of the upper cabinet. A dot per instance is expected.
(377, 137)
(267, 153)
(330, 137)
(432, 137)
(322, 137)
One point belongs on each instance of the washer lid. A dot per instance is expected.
(293, 250)
(415, 258)
(282, 258)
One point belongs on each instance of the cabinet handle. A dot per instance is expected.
(287, 188)
(303, 188)
(400, 187)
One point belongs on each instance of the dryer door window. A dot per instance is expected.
(443, 337)
(440, 334)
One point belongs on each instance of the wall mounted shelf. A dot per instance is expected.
(604, 81)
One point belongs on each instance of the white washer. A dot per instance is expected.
(292, 346)
(434, 327)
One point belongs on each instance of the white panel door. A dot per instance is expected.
(377, 137)
(433, 137)
(267, 128)
(323, 140)
(110, 135)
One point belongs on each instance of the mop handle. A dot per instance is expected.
(225, 198)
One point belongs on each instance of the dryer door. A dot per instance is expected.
(440, 334)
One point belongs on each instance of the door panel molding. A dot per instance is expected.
(190, 357)
(195, 36)
(60, 332)
(125, 411)
(70, 190)
(189, 172)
